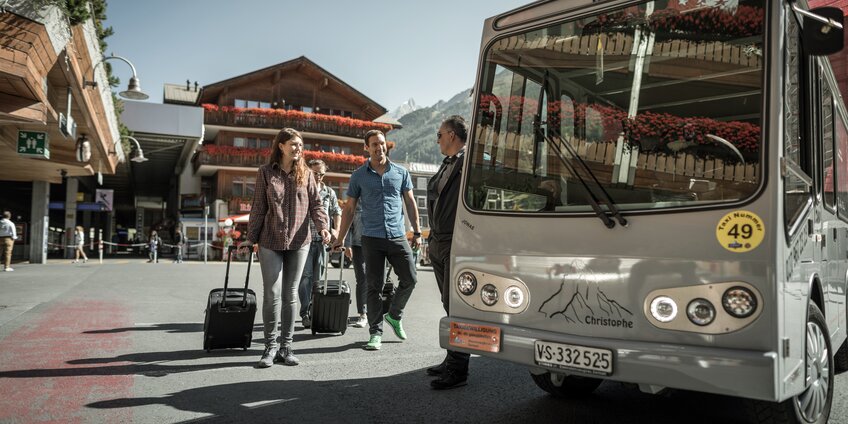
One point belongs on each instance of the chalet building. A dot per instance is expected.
(244, 113)
(58, 127)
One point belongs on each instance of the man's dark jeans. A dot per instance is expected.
(439, 254)
(399, 255)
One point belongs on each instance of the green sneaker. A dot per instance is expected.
(396, 325)
(374, 343)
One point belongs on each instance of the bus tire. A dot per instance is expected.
(566, 386)
(841, 358)
(813, 405)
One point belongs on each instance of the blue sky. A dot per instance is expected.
(389, 50)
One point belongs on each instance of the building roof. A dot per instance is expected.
(178, 94)
(211, 91)
(386, 119)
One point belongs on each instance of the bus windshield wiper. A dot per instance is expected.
(593, 201)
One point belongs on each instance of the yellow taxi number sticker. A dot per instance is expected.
(740, 231)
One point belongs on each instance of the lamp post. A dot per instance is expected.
(139, 158)
(133, 90)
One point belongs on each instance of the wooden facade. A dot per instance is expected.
(244, 114)
(37, 84)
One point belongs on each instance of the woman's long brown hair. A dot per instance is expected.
(301, 171)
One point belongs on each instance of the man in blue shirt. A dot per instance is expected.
(382, 188)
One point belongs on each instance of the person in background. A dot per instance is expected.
(354, 253)
(8, 235)
(314, 267)
(153, 245)
(79, 243)
(285, 199)
(179, 240)
(442, 199)
(383, 188)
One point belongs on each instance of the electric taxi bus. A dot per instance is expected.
(656, 192)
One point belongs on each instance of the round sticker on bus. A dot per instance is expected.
(740, 231)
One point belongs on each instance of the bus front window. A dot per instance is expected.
(661, 101)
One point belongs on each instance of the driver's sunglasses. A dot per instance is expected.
(318, 174)
(439, 134)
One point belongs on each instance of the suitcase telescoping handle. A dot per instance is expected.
(327, 267)
(227, 276)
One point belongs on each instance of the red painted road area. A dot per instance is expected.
(46, 370)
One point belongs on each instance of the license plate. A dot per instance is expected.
(571, 357)
(478, 337)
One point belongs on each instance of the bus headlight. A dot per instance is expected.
(466, 283)
(701, 312)
(514, 297)
(739, 302)
(489, 294)
(663, 308)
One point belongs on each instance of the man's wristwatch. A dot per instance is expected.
(416, 234)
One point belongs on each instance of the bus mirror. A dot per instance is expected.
(823, 32)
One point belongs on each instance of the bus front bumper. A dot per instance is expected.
(732, 372)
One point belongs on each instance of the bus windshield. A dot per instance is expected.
(661, 102)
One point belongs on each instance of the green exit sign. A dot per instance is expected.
(33, 144)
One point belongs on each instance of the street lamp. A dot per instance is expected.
(133, 90)
(139, 158)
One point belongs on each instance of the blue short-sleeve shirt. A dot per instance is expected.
(381, 198)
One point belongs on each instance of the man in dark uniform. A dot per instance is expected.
(442, 198)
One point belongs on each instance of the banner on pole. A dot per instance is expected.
(105, 197)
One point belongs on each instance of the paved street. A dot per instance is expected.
(121, 342)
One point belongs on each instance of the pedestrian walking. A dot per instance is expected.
(79, 244)
(8, 234)
(383, 188)
(286, 197)
(354, 253)
(179, 240)
(153, 247)
(442, 198)
(314, 268)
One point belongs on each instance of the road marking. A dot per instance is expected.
(263, 403)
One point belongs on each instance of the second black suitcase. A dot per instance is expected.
(230, 313)
(330, 304)
(388, 291)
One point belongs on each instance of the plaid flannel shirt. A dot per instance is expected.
(280, 208)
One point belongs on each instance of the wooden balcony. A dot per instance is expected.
(211, 158)
(306, 122)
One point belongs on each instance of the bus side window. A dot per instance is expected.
(841, 135)
(829, 189)
(797, 194)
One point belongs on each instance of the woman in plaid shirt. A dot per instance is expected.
(286, 195)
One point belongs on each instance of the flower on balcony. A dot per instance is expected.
(606, 123)
(705, 22)
(329, 157)
(296, 115)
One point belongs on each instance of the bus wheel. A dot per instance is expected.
(841, 358)
(563, 386)
(813, 404)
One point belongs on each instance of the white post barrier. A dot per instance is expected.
(100, 246)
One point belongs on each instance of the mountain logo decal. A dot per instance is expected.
(586, 303)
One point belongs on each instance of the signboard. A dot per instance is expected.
(192, 202)
(33, 144)
(104, 197)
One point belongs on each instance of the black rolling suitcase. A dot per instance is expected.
(388, 291)
(330, 303)
(230, 313)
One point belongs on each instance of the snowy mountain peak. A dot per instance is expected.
(406, 107)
